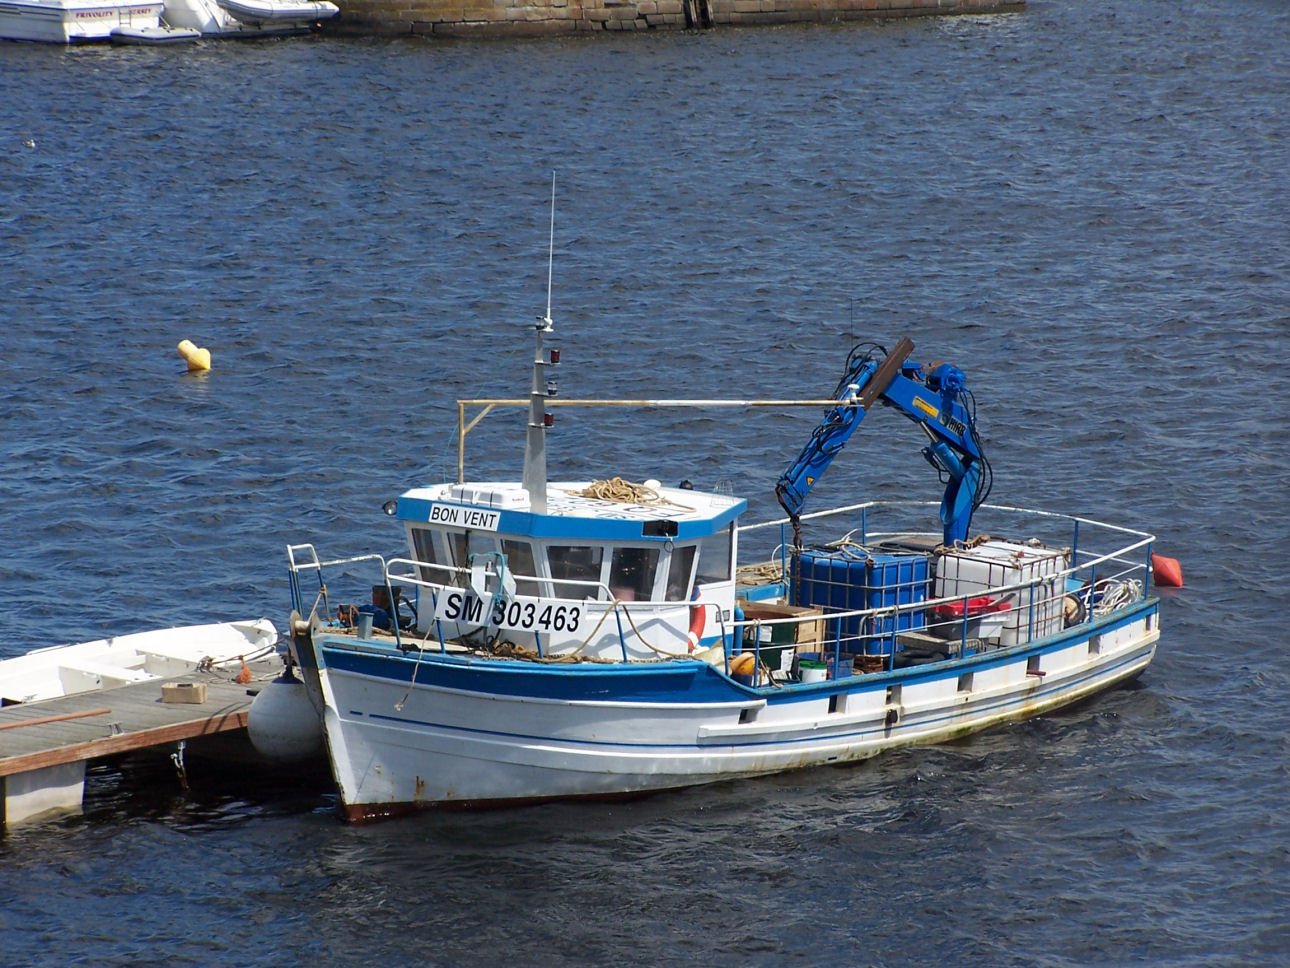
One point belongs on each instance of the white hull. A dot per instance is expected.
(64, 670)
(281, 13)
(395, 749)
(71, 21)
(154, 36)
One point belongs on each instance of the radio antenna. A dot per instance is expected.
(534, 481)
(550, 257)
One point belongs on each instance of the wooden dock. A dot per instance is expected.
(44, 746)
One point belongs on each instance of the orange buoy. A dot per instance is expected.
(1167, 571)
(743, 664)
(198, 358)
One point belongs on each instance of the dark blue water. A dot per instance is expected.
(1083, 205)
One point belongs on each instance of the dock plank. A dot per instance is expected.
(107, 722)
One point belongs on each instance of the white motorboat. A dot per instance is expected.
(63, 670)
(73, 21)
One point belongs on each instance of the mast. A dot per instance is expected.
(534, 479)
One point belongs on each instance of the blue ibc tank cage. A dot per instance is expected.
(850, 579)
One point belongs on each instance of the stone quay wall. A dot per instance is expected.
(512, 18)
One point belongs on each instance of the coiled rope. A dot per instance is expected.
(625, 492)
(761, 573)
(1117, 594)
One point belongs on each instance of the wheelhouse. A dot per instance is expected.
(641, 554)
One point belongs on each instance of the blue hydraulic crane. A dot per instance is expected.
(935, 397)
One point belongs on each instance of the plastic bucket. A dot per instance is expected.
(813, 670)
(364, 625)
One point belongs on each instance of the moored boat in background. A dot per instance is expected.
(73, 21)
(163, 35)
(155, 24)
(250, 18)
(298, 12)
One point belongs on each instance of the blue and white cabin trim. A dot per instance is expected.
(567, 579)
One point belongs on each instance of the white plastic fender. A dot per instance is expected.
(282, 723)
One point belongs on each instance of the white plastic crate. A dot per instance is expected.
(1036, 611)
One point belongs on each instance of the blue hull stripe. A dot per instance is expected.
(998, 708)
(672, 682)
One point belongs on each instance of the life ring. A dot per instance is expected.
(698, 616)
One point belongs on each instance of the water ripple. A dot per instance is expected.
(1081, 204)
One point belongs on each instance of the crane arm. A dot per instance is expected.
(935, 397)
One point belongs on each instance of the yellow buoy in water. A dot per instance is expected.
(197, 357)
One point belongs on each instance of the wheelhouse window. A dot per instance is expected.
(575, 563)
(631, 574)
(463, 544)
(678, 574)
(714, 557)
(430, 548)
(519, 559)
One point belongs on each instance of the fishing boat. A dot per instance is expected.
(607, 638)
(64, 670)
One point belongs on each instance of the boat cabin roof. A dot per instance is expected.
(677, 513)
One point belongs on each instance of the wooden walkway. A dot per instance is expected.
(44, 745)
